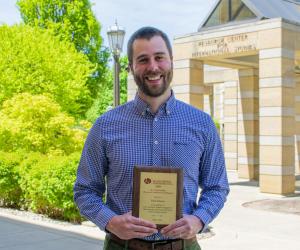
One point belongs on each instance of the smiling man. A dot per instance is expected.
(155, 129)
(152, 67)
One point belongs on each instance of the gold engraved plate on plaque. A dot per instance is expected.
(158, 197)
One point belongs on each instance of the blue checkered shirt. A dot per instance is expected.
(129, 135)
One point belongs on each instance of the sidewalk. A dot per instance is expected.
(237, 227)
(17, 235)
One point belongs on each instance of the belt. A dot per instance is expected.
(137, 244)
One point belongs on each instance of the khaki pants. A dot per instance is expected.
(110, 245)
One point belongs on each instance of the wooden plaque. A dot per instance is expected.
(157, 194)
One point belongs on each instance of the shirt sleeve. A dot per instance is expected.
(89, 187)
(212, 178)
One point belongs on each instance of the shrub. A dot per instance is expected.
(105, 94)
(35, 61)
(36, 123)
(11, 192)
(47, 183)
(31, 159)
(40, 183)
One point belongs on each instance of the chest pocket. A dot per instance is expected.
(186, 154)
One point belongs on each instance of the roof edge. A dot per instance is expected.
(209, 14)
(228, 27)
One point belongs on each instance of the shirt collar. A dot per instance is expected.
(166, 108)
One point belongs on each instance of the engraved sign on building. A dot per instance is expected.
(233, 44)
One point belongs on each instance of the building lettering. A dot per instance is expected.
(225, 45)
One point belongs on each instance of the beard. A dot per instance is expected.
(149, 90)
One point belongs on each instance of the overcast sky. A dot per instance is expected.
(175, 17)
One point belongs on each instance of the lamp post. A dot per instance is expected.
(116, 37)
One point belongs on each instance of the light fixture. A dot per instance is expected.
(116, 38)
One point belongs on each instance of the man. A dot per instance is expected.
(154, 129)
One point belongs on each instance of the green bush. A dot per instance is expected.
(40, 183)
(47, 183)
(105, 93)
(11, 192)
(36, 123)
(101, 104)
(31, 159)
(35, 61)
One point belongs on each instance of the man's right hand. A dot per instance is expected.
(127, 227)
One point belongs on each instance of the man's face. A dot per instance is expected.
(151, 66)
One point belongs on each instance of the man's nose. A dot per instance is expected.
(153, 65)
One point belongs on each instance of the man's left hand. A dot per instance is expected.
(185, 228)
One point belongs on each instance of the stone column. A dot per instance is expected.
(208, 100)
(188, 82)
(276, 120)
(218, 103)
(248, 147)
(230, 124)
(211, 101)
(297, 125)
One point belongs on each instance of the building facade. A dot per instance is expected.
(243, 68)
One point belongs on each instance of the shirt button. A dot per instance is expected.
(155, 142)
(155, 119)
(168, 112)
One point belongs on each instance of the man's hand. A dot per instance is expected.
(127, 227)
(185, 228)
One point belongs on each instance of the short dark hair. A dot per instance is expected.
(146, 33)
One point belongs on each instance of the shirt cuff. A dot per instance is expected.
(204, 217)
(104, 217)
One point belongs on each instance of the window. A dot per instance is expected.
(229, 11)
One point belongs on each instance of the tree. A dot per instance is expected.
(105, 98)
(74, 21)
(35, 61)
(36, 123)
(123, 78)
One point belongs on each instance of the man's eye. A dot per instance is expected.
(142, 60)
(159, 58)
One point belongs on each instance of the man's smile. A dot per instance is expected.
(154, 78)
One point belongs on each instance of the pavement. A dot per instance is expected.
(240, 226)
(18, 235)
(249, 220)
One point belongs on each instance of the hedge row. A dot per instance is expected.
(40, 183)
